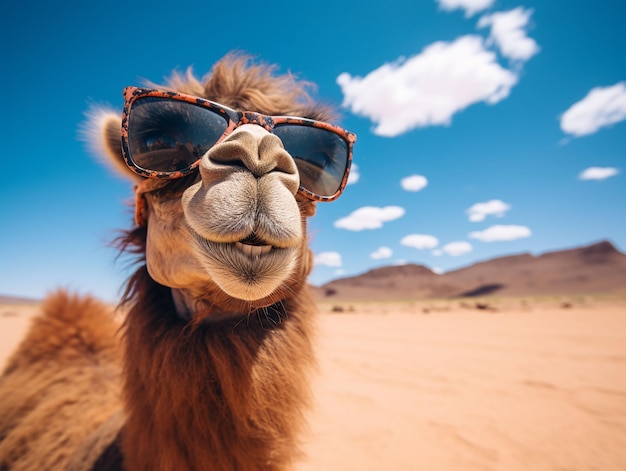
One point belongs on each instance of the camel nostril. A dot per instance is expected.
(234, 165)
(253, 148)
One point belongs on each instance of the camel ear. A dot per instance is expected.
(102, 132)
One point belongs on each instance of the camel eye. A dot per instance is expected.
(166, 135)
(320, 159)
(320, 155)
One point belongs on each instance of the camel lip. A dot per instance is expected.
(228, 252)
(252, 254)
(254, 239)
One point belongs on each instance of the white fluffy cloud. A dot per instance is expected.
(479, 211)
(457, 248)
(381, 252)
(354, 174)
(598, 173)
(420, 241)
(329, 259)
(369, 217)
(603, 106)
(429, 88)
(509, 34)
(470, 6)
(501, 233)
(414, 183)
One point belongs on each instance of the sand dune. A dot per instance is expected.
(441, 385)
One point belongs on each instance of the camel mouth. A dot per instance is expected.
(253, 256)
(253, 250)
(254, 245)
(254, 239)
(248, 271)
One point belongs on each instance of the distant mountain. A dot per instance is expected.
(16, 300)
(597, 268)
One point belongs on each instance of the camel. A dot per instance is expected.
(209, 369)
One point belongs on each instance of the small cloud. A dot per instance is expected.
(429, 88)
(436, 253)
(369, 217)
(436, 270)
(354, 174)
(508, 33)
(339, 272)
(329, 259)
(501, 233)
(400, 262)
(455, 249)
(414, 183)
(598, 173)
(479, 211)
(382, 252)
(420, 241)
(471, 7)
(600, 108)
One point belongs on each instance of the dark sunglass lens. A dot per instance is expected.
(320, 155)
(167, 135)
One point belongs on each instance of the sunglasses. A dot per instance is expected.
(165, 134)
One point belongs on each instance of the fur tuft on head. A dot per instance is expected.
(239, 83)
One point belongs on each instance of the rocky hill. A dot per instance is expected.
(597, 268)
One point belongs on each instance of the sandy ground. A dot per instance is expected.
(446, 386)
(14, 321)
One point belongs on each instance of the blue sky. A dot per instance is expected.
(485, 127)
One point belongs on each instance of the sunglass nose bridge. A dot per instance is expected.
(249, 117)
(255, 149)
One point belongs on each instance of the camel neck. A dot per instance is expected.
(218, 396)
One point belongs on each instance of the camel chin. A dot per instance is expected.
(248, 272)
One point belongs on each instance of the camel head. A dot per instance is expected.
(223, 188)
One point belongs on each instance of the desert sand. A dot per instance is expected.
(511, 384)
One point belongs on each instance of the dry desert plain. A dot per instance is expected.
(495, 384)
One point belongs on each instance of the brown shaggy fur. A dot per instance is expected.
(60, 385)
(226, 395)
